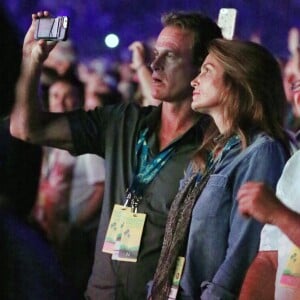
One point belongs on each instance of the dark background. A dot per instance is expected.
(92, 20)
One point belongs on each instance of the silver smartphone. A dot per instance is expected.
(227, 21)
(52, 29)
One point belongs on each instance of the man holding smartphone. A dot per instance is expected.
(131, 139)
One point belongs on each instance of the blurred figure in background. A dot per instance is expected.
(127, 86)
(29, 267)
(57, 168)
(70, 193)
(101, 84)
(19, 161)
(63, 59)
(291, 72)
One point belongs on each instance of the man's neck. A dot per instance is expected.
(176, 119)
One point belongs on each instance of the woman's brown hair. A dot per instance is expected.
(254, 92)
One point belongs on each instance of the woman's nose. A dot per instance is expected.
(194, 82)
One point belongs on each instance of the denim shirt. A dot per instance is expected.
(221, 242)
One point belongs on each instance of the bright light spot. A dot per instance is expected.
(111, 40)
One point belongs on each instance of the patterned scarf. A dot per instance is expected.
(175, 234)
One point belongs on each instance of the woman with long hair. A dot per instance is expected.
(240, 88)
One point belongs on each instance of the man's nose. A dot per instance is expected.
(157, 64)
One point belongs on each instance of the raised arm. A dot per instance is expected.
(27, 121)
(143, 72)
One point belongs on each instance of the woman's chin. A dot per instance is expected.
(195, 107)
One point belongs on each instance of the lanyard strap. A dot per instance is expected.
(215, 157)
(146, 169)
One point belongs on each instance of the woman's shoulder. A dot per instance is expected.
(264, 146)
(262, 139)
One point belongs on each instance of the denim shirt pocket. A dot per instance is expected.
(212, 198)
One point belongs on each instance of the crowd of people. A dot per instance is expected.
(171, 176)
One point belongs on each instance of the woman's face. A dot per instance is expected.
(209, 87)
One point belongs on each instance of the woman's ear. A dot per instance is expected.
(296, 104)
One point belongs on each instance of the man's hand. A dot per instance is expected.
(138, 55)
(39, 50)
(257, 200)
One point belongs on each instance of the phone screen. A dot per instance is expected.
(52, 28)
(226, 21)
(47, 28)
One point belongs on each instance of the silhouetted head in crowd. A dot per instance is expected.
(10, 61)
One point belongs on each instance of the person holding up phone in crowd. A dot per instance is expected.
(131, 139)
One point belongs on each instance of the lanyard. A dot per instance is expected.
(146, 169)
(214, 158)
